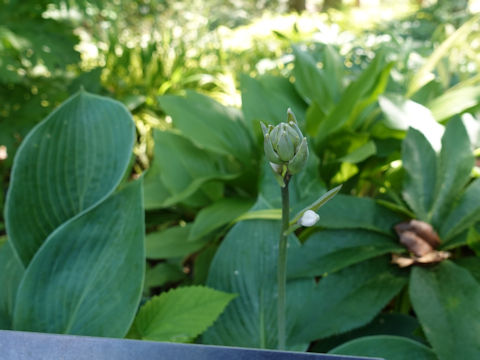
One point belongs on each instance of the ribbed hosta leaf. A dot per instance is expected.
(87, 277)
(69, 162)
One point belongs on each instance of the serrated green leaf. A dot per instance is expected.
(87, 277)
(179, 315)
(11, 273)
(347, 299)
(386, 347)
(420, 163)
(96, 135)
(217, 215)
(172, 243)
(455, 167)
(332, 250)
(446, 299)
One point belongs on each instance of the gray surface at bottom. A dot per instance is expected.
(18, 345)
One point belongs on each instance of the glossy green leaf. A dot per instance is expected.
(220, 213)
(11, 273)
(179, 315)
(386, 347)
(210, 125)
(87, 277)
(454, 102)
(464, 214)
(446, 299)
(246, 264)
(183, 167)
(347, 299)
(171, 243)
(420, 164)
(455, 167)
(68, 163)
(401, 113)
(332, 250)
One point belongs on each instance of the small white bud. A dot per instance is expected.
(309, 218)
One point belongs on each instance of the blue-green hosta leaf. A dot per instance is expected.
(347, 299)
(246, 264)
(210, 125)
(11, 272)
(349, 212)
(332, 250)
(68, 163)
(455, 167)
(87, 277)
(386, 347)
(446, 299)
(179, 315)
(464, 214)
(420, 163)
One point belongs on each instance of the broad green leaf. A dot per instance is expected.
(446, 299)
(420, 164)
(310, 81)
(68, 163)
(386, 347)
(156, 194)
(317, 204)
(401, 114)
(217, 215)
(329, 251)
(11, 272)
(210, 125)
(334, 70)
(455, 167)
(363, 152)
(393, 324)
(464, 214)
(349, 212)
(185, 167)
(87, 277)
(267, 98)
(172, 243)
(246, 264)
(454, 101)
(347, 299)
(424, 75)
(179, 315)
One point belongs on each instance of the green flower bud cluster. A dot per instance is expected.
(285, 146)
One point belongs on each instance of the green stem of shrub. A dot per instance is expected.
(282, 268)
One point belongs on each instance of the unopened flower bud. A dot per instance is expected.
(285, 145)
(309, 218)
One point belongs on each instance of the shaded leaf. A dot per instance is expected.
(386, 347)
(332, 250)
(446, 299)
(179, 315)
(11, 273)
(347, 299)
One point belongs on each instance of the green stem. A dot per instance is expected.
(282, 267)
